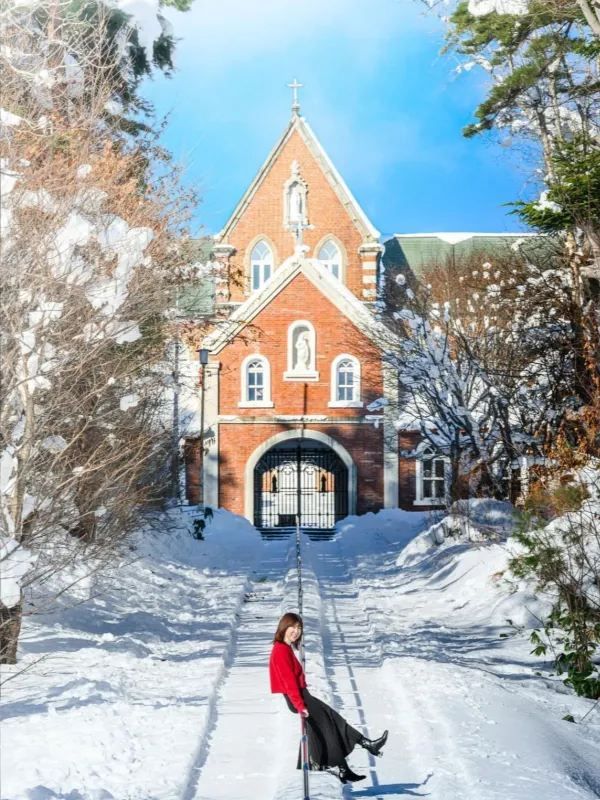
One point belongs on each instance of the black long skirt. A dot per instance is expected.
(330, 737)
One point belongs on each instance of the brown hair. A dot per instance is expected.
(287, 621)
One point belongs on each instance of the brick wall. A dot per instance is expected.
(407, 472)
(268, 335)
(237, 442)
(264, 217)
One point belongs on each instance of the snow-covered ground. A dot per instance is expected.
(157, 687)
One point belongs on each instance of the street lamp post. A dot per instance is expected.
(203, 358)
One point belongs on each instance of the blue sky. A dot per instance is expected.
(387, 107)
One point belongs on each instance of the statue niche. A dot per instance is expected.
(302, 350)
(295, 199)
(301, 362)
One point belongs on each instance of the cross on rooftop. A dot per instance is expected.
(294, 86)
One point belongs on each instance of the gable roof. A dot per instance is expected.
(337, 183)
(341, 297)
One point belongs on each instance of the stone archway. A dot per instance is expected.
(300, 471)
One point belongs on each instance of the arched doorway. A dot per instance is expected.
(300, 476)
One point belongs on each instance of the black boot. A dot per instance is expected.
(374, 745)
(347, 776)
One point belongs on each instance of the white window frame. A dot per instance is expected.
(328, 263)
(266, 402)
(262, 263)
(356, 402)
(311, 373)
(428, 454)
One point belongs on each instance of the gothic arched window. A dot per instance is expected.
(256, 382)
(345, 382)
(431, 477)
(330, 256)
(261, 264)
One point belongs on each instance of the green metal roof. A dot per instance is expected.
(196, 299)
(416, 253)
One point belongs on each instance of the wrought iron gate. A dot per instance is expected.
(309, 482)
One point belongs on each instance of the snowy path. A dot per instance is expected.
(240, 753)
(456, 731)
(362, 691)
(160, 687)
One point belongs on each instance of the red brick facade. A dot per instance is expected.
(264, 214)
(363, 442)
(301, 290)
(268, 336)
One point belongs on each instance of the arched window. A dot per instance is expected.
(431, 478)
(345, 382)
(302, 356)
(330, 256)
(261, 264)
(256, 383)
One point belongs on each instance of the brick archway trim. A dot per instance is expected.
(298, 433)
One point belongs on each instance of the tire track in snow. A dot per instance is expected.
(257, 607)
(428, 745)
(416, 684)
(290, 781)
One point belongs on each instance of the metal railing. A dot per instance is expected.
(304, 734)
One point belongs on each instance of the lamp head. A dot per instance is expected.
(203, 354)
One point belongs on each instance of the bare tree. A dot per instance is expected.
(487, 360)
(92, 226)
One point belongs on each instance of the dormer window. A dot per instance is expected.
(330, 256)
(261, 264)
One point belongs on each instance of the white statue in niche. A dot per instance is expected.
(302, 351)
(296, 203)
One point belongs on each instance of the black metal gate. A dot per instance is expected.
(306, 481)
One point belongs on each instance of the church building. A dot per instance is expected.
(293, 417)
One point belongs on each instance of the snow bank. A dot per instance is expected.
(462, 560)
(390, 527)
(121, 671)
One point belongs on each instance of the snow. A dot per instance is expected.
(543, 204)
(54, 444)
(15, 563)
(378, 405)
(155, 686)
(480, 8)
(145, 18)
(83, 171)
(10, 119)
(129, 401)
